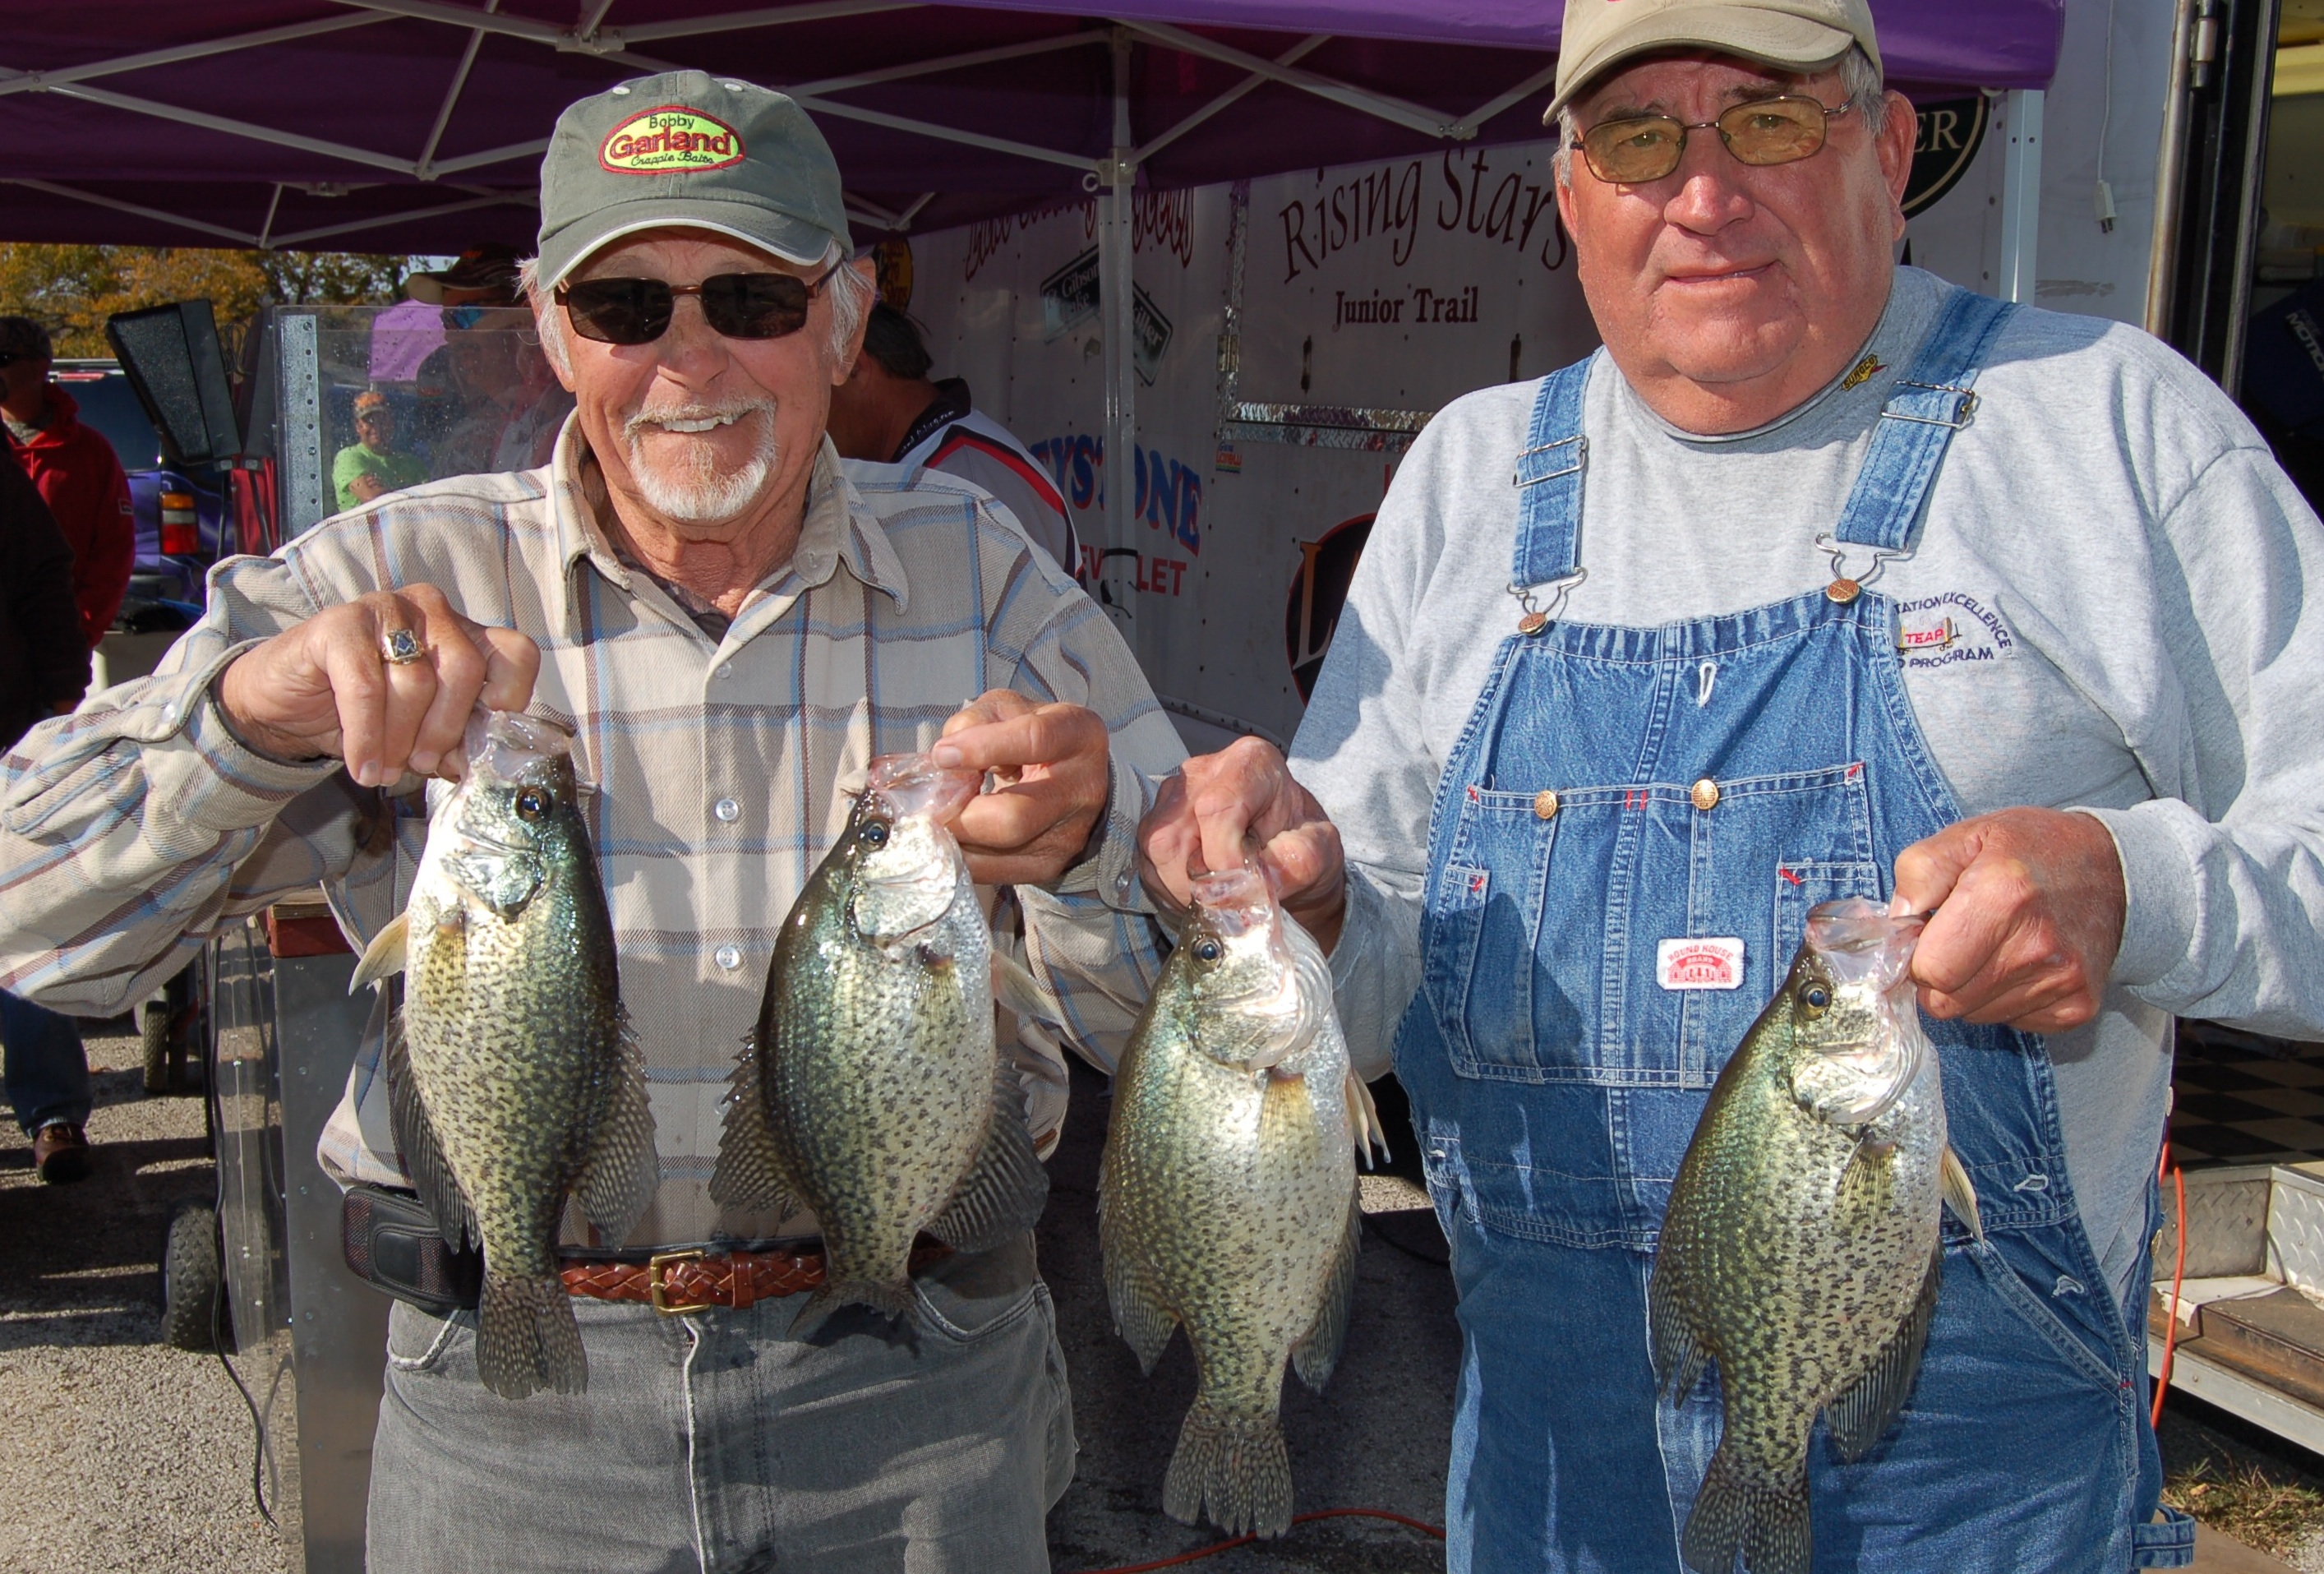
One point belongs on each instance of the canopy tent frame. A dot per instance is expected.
(1112, 178)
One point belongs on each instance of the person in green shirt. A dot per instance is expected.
(370, 466)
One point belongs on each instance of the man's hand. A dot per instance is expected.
(2029, 910)
(328, 688)
(1052, 769)
(1239, 805)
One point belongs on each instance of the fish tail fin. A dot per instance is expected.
(892, 1300)
(527, 1338)
(1235, 1467)
(1005, 1189)
(1766, 1520)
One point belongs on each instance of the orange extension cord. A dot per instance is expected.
(1297, 1519)
(2178, 1278)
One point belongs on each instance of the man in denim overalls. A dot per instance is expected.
(1823, 578)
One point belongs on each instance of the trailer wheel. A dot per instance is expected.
(190, 1278)
(153, 1030)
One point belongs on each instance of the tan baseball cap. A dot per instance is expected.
(1794, 34)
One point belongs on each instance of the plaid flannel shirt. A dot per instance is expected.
(134, 829)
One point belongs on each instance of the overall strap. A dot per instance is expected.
(1930, 402)
(1548, 481)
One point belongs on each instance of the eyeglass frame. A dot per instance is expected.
(1685, 127)
(814, 289)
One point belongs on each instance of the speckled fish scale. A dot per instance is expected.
(1800, 1252)
(1227, 1205)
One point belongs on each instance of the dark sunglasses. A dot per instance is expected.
(1639, 148)
(635, 312)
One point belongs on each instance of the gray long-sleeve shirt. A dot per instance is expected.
(2105, 608)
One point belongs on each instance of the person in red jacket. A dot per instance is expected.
(77, 473)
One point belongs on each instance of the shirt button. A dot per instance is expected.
(728, 957)
(727, 809)
(169, 713)
(726, 669)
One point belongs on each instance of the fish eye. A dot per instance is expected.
(532, 803)
(1207, 950)
(873, 834)
(1816, 998)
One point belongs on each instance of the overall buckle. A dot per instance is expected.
(657, 1283)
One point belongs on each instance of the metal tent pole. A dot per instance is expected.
(1116, 287)
(2021, 195)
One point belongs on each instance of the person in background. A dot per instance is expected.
(482, 275)
(79, 475)
(372, 465)
(44, 670)
(889, 412)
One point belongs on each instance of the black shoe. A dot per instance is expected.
(60, 1153)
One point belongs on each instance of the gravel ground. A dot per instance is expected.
(116, 1452)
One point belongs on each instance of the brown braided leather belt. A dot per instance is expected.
(673, 1283)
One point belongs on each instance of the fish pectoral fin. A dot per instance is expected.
(1861, 1416)
(1371, 1134)
(1014, 987)
(623, 1167)
(1004, 1192)
(416, 1144)
(1960, 1196)
(1766, 1520)
(1318, 1349)
(750, 1173)
(385, 956)
(1675, 1348)
(1867, 1186)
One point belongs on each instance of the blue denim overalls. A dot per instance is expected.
(1618, 787)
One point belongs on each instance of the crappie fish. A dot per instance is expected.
(1800, 1248)
(873, 1091)
(1227, 1196)
(514, 1081)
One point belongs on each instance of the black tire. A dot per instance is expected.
(190, 1278)
(153, 1029)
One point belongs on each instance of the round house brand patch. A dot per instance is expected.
(669, 139)
(1700, 962)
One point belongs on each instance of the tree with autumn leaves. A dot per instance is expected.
(71, 290)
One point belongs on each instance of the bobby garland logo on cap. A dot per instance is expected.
(669, 139)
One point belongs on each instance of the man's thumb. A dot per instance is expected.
(1928, 870)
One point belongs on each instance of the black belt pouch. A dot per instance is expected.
(391, 1243)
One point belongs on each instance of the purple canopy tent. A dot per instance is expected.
(417, 125)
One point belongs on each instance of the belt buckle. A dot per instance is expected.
(658, 1284)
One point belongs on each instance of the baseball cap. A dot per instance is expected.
(482, 271)
(22, 339)
(688, 148)
(1793, 34)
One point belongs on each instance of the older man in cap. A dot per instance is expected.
(1824, 578)
(733, 628)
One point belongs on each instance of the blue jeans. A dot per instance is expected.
(47, 1071)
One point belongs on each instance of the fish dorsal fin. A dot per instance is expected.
(416, 1144)
(1004, 1192)
(385, 956)
(750, 1171)
(1862, 1415)
(623, 1168)
(1318, 1349)
(1959, 1194)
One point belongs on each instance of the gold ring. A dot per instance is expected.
(402, 647)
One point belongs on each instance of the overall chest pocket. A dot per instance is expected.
(1544, 932)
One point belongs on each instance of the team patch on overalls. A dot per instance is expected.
(670, 140)
(1713, 962)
